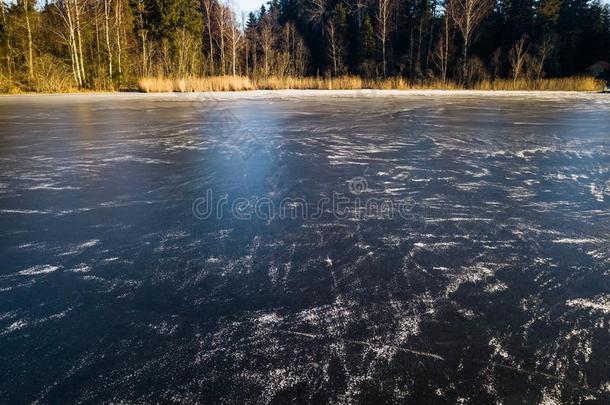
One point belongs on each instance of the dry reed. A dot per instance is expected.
(195, 84)
(241, 83)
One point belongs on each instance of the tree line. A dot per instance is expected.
(106, 44)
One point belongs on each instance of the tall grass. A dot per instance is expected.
(313, 83)
(192, 84)
(560, 84)
(400, 83)
(241, 83)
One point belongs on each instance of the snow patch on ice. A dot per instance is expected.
(600, 303)
(40, 269)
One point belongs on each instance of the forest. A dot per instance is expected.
(63, 45)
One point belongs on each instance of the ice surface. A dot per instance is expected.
(493, 288)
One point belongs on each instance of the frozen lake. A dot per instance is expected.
(374, 247)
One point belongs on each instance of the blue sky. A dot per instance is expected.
(249, 5)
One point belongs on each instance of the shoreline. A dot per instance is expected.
(310, 93)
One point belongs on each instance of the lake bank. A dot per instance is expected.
(279, 94)
(192, 84)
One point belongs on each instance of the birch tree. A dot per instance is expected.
(545, 49)
(208, 6)
(107, 34)
(77, 12)
(517, 57)
(142, 32)
(234, 38)
(68, 11)
(468, 16)
(118, 14)
(383, 16)
(331, 35)
(221, 22)
(27, 6)
(266, 40)
(6, 33)
(442, 48)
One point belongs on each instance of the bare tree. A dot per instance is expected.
(221, 21)
(442, 47)
(187, 50)
(331, 35)
(234, 37)
(140, 9)
(317, 11)
(544, 51)
(26, 9)
(233, 34)
(7, 41)
(468, 16)
(288, 47)
(383, 16)
(517, 57)
(266, 39)
(300, 55)
(282, 63)
(96, 24)
(68, 10)
(77, 7)
(251, 45)
(496, 61)
(107, 34)
(208, 6)
(418, 64)
(118, 14)
(431, 23)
